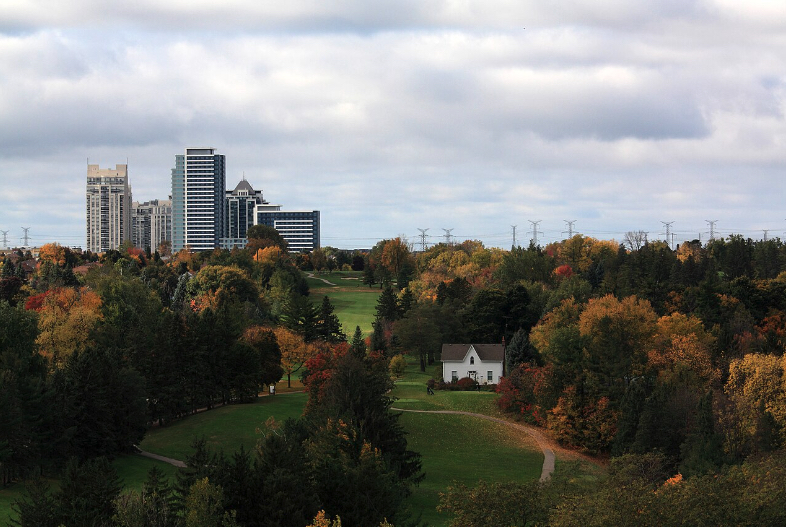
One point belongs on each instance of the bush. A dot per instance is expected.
(431, 383)
(397, 365)
(466, 383)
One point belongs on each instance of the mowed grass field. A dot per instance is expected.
(354, 302)
(132, 470)
(458, 448)
(225, 428)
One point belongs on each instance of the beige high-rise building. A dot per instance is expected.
(108, 208)
(151, 223)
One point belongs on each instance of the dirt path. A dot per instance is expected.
(175, 462)
(311, 275)
(543, 442)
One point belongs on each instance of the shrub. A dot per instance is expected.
(466, 383)
(397, 365)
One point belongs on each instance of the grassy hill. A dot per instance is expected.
(458, 448)
(353, 300)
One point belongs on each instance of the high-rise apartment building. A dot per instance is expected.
(151, 223)
(108, 208)
(299, 228)
(198, 193)
(242, 204)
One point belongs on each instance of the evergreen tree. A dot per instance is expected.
(328, 326)
(387, 306)
(405, 301)
(87, 492)
(519, 350)
(37, 507)
(301, 316)
(358, 344)
(378, 340)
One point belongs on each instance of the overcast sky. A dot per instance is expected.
(394, 115)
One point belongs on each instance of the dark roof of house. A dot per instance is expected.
(486, 352)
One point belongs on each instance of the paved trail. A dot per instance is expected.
(311, 275)
(540, 439)
(175, 462)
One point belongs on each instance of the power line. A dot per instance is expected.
(447, 235)
(712, 228)
(668, 232)
(570, 228)
(535, 231)
(423, 236)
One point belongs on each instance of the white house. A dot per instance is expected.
(482, 362)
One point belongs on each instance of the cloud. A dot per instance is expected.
(397, 115)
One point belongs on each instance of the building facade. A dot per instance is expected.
(151, 223)
(242, 204)
(108, 208)
(482, 362)
(198, 195)
(299, 228)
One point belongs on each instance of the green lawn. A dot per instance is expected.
(457, 448)
(132, 470)
(224, 428)
(411, 394)
(354, 302)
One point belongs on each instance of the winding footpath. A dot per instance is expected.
(540, 439)
(175, 462)
(311, 275)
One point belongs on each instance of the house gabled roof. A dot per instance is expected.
(486, 352)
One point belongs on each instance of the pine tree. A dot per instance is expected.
(387, 306)
(358, 344)
(378, 340)
(328, 325)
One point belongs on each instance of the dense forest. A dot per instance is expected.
(668, 361)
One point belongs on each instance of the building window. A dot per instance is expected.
(454, 375)
(472, 360)
(490, 376)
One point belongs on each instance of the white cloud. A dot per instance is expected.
(396, 115)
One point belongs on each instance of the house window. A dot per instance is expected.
(472, 360)
(454, 375)
(490, 376)
(473, 375)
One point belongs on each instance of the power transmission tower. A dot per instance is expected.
(570, 227)
(5, 239)
(26, 238)
(712, 228)
(514, 234)
(447, 235)
(423, 237)
(668, 231)
(535, 232)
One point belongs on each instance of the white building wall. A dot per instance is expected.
(481, 369)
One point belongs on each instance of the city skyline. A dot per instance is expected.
(407, 116)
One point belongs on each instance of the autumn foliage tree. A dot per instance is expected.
(294, 351)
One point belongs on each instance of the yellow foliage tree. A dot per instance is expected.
(294, 351)
(681, 343)
(66, 320)
(268, 255)
(53, 252)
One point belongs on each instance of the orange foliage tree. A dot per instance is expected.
(67, 317)
(294, 351)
